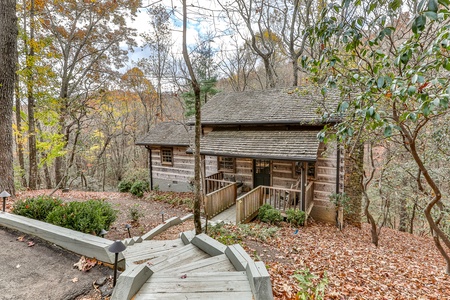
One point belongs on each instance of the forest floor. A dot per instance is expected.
(404, 266)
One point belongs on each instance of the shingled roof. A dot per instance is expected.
(271, 144)
(278, 106)
(168, 134)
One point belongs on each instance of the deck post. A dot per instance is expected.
(304, 178)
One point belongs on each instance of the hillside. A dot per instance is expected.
(402, 267)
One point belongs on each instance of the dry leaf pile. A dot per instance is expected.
(402, 267)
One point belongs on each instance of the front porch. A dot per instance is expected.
(222, 202)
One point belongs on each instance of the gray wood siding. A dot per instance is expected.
(325, 182)
(183, 165)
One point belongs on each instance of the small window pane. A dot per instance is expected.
(226, 164)
(167, 156)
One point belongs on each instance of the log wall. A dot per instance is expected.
(325, 182)
(183, 165)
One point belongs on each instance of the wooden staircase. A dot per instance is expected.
(191, 267)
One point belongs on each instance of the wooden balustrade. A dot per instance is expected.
(214, 182)
(221, 199)
(247, 206)
(309, 199)
(282, 198)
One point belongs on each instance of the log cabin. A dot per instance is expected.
(260, 142)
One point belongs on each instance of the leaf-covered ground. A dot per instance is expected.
(402, 267)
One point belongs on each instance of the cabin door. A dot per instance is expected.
(261, 172)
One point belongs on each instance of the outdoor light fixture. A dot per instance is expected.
(4, 195)
(128, 226)
(103, 232)
(116, 248)
(162, 215)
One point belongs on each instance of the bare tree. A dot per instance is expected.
(159, 42)
(196, 89)
(257, 15)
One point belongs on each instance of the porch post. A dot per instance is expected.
(304, 183)
(150, 167)
(203, 173)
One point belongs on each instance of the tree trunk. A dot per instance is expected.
(19, 142)
(354, 169)
(439, 236)
(270, 79)
(294, 71)
(32, 155)
(196, 88)
(8, 52)
(403, 224)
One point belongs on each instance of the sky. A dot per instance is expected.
(198, 23)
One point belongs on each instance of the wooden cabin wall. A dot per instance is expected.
(325, 182)
(283, 174)
(182, 169)
(243, 173)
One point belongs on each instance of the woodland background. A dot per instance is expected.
(80, 104)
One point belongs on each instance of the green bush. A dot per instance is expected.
(135, 213)
(223, 234)
(295, 217)
(268, 214)
(311, 286)
(139, 187)
(89, 217)
(36, 208)
(125, 186)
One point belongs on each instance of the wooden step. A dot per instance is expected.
(205, 285)
(174, 259)
(150, 249)
(219, 263)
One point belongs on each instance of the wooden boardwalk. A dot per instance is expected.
(227, 216)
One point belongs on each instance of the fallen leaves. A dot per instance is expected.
(355, 268)
(85, 264)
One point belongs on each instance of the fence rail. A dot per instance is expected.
(214, 182)
(247, 205)
(309, 199)
(282, 198)
(221, 199)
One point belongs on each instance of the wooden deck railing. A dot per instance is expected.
(214, 182)
(309, 199)
(221, 199)
(282, 198)
(247, 205)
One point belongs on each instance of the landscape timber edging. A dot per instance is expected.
(131, 281)
(80, 243)
(208, 244)
(164, 226)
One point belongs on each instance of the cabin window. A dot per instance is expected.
(298, 169)
(167, 156)
(226, 164)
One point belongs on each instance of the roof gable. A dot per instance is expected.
(302, 105)
(168, 134)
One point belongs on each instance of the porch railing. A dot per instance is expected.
(214, 182)
(309, 200)
(282, 198)
(247, 205)
(221, 199)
